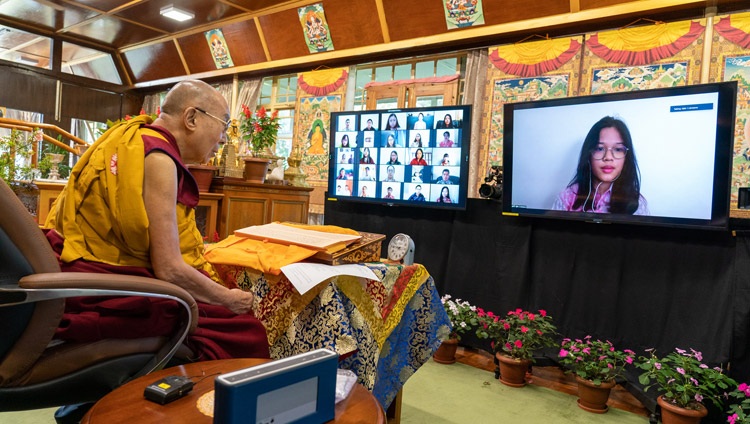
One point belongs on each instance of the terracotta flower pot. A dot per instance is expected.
(513, 371)
(256, 169)
(446, 353)
(673, 414)
(593, 398)
(203, 175)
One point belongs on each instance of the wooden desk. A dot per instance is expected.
(207, 214)
(48, 192)
(126, 404)
(245, 204)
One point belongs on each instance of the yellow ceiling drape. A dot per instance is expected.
(534, 58)
(644, 45)
(735, 28)
(320, 83)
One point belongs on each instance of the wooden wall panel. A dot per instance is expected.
(412, 19)
(593, 4)
(353, 26)
(504, 11)
(155, 61)
(27, 91)
(244, 43)
(90, 104)
(197, 53)
(283, 34)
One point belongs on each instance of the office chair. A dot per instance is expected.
(39, 372)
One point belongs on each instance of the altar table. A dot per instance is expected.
(383, 330)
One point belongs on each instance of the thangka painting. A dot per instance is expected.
(731, 52)
(527, 71)
(640, 58)
(313, 126)
(219, 49)
(315, 26)
(463, 13)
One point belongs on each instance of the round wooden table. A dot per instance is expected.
(126, 404)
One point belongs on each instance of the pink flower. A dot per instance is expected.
(629, 359)
(680, 370)
(518, 343)
(542, 312)
(732, 418)
(563, 353)
(657, 365)
(524, 329)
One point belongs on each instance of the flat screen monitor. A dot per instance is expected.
(416, 157)
(660, 157)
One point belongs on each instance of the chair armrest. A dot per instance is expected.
(69, 284)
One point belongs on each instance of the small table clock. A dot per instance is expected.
(401, 249)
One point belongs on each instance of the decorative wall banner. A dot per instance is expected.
(463, 13)
(315, 26)
(527, 71)
(645, 45)
(730, 53)
(320, 83)
(654, 56)
(313, 119)
(609, 80)
(219, 48)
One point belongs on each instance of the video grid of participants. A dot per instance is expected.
(406, 155)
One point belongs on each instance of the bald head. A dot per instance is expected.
(191, 93)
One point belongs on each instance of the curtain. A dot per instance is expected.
(248, 94)
(226, 91)
(152, 102)
(475, 81)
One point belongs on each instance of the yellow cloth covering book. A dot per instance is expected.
(264, 255)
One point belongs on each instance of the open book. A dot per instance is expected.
(284, 234)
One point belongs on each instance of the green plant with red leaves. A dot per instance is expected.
(259, 129)
(519, 334)
(594, 360)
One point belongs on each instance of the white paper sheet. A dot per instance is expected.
(304, 276)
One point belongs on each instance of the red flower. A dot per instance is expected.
(518, 344)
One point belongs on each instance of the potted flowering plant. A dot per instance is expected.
(596, 364)
(463, 318)
(684, 382)
(515, 338)
(259, 129)
(739, 413)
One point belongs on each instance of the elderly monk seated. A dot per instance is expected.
(128, 208)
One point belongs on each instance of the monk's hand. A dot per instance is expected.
(240, 301)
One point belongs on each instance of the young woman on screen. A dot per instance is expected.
(392, 123)
(607, 178)
(390, 141)
(420, 124)
(447, 122)
(417, 142)
(345, 140)
(366, 158)
(418, 158)
(445, 196)
(394, 159)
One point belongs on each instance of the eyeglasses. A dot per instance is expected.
(618, 152)
(225, 123)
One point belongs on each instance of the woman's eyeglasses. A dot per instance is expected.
(618, 152)
(225, 123)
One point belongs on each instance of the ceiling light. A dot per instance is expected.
(177, 14)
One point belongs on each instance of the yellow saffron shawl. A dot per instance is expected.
(100, 212)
